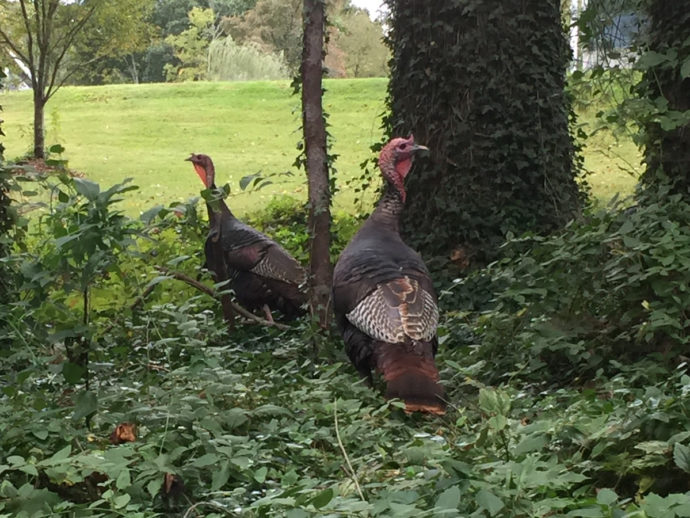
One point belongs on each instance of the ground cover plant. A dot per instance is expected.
(260, 421)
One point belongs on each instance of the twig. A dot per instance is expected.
(208, 291)
(141, 297)
(212, 504)
(342, 449)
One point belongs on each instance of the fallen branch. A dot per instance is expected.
(211, 293)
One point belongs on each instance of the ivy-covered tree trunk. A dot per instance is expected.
(7, 219)
(666, 86)
(314, 126)
(481, 83)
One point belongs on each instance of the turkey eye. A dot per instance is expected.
(403, 146)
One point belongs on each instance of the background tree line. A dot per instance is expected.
(175, 40)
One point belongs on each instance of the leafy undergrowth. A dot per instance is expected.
(547, 416)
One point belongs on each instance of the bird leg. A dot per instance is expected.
(267, 312)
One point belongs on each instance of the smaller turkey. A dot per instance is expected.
(262, 273)
(383, 297)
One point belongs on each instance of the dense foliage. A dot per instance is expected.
(585, 414)
(482, 84)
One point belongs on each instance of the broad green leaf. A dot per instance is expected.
(323, 498)
(681, 456)
(205, 460)
(72, 372)
(529, 444)
(61, 454)
(41, 434)
(246, 180)
(120, 501)
(154, 486)
(123, 480)
(449, 499)
(220, 477)
(260, 474)
(487, 500)
(85, 404)
(685, 69)
(61, 241)
(606, 496)
(87, 188)
(29, 469)
(587, 512)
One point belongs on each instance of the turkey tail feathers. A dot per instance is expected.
(411, 375)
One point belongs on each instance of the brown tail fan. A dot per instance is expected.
(411, 375)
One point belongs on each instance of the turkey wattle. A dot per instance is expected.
(383, 296)
(262, 273)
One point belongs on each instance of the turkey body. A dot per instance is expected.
(262, 273)
(385, 304)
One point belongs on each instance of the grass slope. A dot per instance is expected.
(146, 131)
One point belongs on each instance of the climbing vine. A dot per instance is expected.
(482, 84)
(664, 96)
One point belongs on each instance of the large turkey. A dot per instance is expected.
(383, 297)
(262, 273)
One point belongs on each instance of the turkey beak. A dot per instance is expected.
(420, 150)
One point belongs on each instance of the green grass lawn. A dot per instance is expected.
(146, 131)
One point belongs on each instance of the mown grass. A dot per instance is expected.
(146, 131)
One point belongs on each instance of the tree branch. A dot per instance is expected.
(208, 291)
(68, 40)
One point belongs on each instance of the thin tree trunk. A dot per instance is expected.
(39, 126)
(317, 166)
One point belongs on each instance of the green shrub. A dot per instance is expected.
(611, 287)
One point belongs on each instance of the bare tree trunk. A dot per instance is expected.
(316, 161)
(39, 126)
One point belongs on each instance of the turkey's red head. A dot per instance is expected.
(203, 165)
(395, 161)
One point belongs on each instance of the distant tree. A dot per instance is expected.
(112, 45)
(40, 34)
(361, 41)
(665, 88)
(482, 84)
(274, 25)
(172, 15)
(316, 154)
(191, 47)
